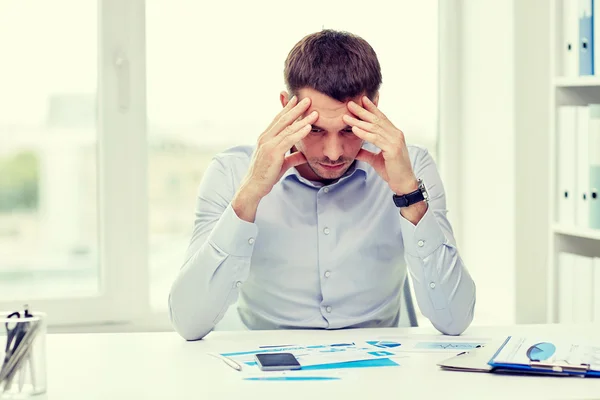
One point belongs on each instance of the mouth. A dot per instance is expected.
(335, 167)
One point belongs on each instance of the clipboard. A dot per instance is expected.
(483, 360)
(541, 358)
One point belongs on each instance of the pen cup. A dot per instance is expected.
(22, 354)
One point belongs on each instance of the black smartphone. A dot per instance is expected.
(277, 361)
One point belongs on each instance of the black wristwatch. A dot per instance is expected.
(408, 199)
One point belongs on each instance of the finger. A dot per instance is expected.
(369, 127)
(365, 126)
(293, 160)
(370, 137)
(291, 129)
(291, 104)
(372, 108)
(289, 117)
(366, 156)
(375, 160)
(288, 141)
(362, 113)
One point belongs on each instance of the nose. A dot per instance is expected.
(333, 147)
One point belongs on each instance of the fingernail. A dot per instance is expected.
(293, 98)
(305, 100)
(313, 114)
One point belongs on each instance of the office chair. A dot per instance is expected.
(408, 302)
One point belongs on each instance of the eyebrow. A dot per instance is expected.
(343, 129)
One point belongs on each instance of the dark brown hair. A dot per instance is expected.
(338, 64)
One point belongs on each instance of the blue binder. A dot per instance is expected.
(586, 37)
(540, 360)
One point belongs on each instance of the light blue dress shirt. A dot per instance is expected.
(318, 256)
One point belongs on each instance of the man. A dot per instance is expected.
(315, 225)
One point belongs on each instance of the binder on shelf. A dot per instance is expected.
(583, 167)
(570, 38)
(586, 37)
(566, 156)
(594, 166)
(583, 295)
(566, 267)
(596, 29)
(596, 289)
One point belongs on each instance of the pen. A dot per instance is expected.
(228, 361)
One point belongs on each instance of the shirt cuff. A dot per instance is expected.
(424, 238)
(233, 235)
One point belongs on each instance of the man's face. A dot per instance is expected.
(331, 146)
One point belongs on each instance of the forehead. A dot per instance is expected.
(330, 110)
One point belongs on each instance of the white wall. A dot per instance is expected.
(497, 84)
(488, 155)
(532, 109)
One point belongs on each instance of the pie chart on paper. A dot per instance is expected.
(541, 351)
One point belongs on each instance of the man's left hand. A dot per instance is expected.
(392, 163)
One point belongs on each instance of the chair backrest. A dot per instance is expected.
(409, 305)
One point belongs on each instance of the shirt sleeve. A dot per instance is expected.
(444, 289)
(217, 259)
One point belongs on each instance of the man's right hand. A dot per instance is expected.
(269, 161)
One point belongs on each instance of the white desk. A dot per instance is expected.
(164, 366)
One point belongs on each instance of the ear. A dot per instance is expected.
(376, 99)
(284, 97)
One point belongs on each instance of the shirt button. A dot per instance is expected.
(421, 243)
(238, 284)
(251, 241)
(432, 285)
(327, 274)
(326, 190)
(328, 309)
(326, 231)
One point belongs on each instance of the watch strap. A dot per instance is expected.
(408, 199)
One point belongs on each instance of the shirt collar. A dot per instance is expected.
(358, 167)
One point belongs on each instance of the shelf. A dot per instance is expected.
(584, 81)
(577, 232)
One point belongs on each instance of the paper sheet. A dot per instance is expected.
(331, 356)
(435, 343)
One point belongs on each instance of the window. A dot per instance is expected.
(48, 207)
(111, 113)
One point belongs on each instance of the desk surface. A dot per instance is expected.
(164, 366)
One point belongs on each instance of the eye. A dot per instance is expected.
(316, 131)
(348, 132)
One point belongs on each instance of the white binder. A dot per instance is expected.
(594, 162)
(570, 38)
(566, 267)
(596, 289)
(566, 171)
(583, 281)
(583, 167)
